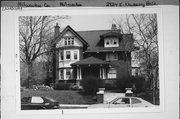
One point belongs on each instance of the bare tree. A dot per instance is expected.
(35, 38)
(144, 30)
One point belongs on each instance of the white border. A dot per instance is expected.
(90, 11)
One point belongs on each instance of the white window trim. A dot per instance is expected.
(75, 52)
(111, 43)
(60, 74)
(69, 41)
(110, 74)
(66, 54)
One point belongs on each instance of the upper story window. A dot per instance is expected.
(111, 42)
(69, 41)
(61, 55)
(68, 55)
(75, 55)
(111, 56)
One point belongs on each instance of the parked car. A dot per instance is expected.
(123, 102)
(36, 102)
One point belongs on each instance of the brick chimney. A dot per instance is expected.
(55, 53)
(113, 27)
(56, 31)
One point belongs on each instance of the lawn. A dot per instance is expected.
(62, 96)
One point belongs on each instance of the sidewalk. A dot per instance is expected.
(72, 106)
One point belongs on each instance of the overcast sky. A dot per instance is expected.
(89, 22)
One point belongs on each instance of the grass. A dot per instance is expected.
(62, 96)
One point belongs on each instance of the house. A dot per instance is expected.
(105, 54)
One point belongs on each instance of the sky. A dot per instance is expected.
(89, 22)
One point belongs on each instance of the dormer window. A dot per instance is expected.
(107, 42)
(111, 42)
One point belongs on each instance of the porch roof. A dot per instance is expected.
(90, 61)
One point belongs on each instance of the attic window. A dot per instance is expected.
(107, 42)
(69, 41)
(115, 42)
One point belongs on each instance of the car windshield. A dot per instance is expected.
(120, 101)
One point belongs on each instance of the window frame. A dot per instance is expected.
(69, 41)
(76, 54)
(61, 75)
(61, 55)
(111, 74)
(68, 54)
(68, 71)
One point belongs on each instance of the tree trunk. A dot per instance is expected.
(30, 77)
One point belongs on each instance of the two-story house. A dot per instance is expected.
(105, 54)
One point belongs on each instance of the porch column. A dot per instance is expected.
(80, 73)
(77, 72)
(100, 74)
(103, 76)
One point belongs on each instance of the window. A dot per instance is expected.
(115, 56)
(115, 42)
(37, 100)
(107, 42)
(61, 74)
(68, 73)
(68, 41)
(72, 41)
(61, 55)
(65, 41)
(75, 55)
(134, 101)
(111, 42)
(111, 56)
(122, 101)
(112, 73)
(68, 55)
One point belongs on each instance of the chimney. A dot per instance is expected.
(56, 34)
(113, 27)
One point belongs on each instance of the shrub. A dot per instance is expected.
(90, 84)
(136, 83)
(124, 82)
(139, 83)
(62, 86)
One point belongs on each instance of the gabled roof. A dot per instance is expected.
(90, 61)
(92, 37)
(74, 33)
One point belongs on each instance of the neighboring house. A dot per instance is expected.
(105, 54)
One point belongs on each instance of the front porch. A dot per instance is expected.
(91, 67)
